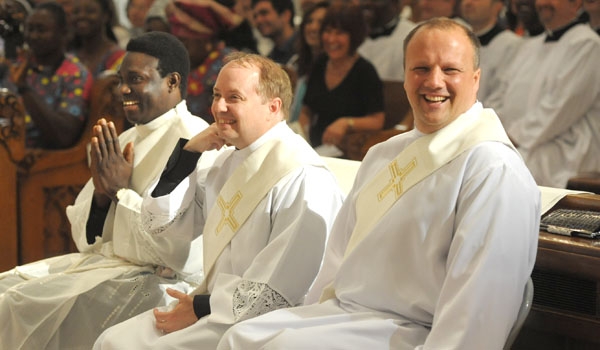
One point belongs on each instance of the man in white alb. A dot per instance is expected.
(65, 302)
(264, 208)
(435, 243)
(383, 48)
(498, 44)
(550, 103)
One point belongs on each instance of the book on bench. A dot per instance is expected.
(572, 222)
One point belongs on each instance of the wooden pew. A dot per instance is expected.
(48, 181)
(12, 143)
(589, 182)
(566, 276)
(398, 118)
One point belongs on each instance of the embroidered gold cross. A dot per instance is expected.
(227, 217)
(398, 176)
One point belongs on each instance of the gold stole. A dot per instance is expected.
(240, 195)
(417, 161)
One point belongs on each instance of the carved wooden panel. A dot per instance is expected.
(11, 151)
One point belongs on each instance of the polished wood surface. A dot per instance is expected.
(589, 182)
(566, 305)
(12, 134)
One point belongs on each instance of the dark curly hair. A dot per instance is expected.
(172, 55)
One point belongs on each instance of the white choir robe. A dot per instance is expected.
(444, 268)
(269, 264)
(387, 52)
(65, 302)
(494, 58)
(551, 105)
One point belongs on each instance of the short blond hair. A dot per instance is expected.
(273, 81)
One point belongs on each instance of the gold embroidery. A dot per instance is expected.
(398, 176)
(227, 217)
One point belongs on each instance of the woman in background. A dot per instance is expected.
(344, 92)
(308, 51)
(95, 42)
(54, 86)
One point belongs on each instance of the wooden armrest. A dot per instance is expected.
(589, 182)
(50, 180)
(583, 201)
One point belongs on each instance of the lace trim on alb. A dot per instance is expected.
(148, 222)
(252, 299)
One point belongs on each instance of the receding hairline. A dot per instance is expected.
(444, 24)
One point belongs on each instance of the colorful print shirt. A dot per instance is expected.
(111, 61)
(66, 90)
(201, 82)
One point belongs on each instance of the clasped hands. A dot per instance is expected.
(111, 168)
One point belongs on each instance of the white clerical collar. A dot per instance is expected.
(272, 133)
(156, 123)
(485, 30)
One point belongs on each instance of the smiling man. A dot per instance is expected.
(274, 20)
(67, 301)
(441, 221)
(264, 210)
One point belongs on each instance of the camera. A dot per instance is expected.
(12, 23)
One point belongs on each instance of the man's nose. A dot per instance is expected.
(435, 78)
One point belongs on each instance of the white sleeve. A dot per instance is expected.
(489, 261)
(164, 231)
(566, 97)
(78, 214)
(302, 212)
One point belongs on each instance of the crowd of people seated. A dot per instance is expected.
(211, 221)
(504, 30)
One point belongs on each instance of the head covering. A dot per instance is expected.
(193, 20)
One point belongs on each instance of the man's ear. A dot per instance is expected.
(174, 80)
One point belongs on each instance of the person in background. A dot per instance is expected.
(13, 14)
(550, 103)
(237, 29)
(136, 14)
(427, 9)
(498, 44)
(441, 221)
(592, 7)
(156, 18)
(94, 40)
(264, 209)
(344, 92)
(309, 49)
(522, 18)
(274, 20)
(206, 53)
(54, 86)
(383, 48)
(121, 270)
